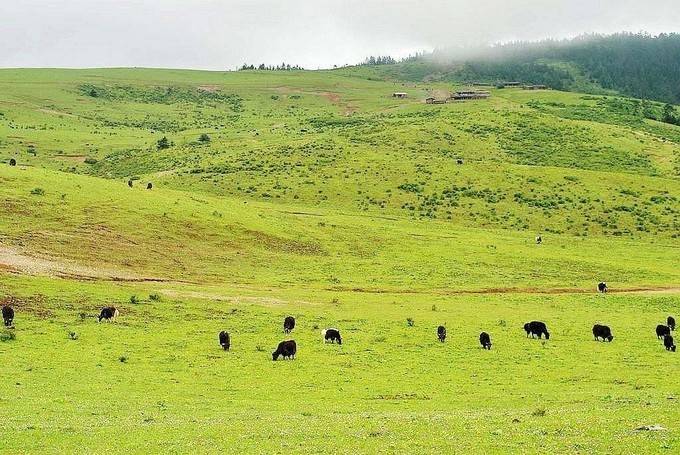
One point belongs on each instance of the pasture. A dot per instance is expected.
(317, 195)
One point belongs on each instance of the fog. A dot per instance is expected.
(211, 34)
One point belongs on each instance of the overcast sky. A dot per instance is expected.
(223, 34)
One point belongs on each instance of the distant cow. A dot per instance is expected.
(7, 315)
(149, 186)
(288, 324)
(459, 161)
(225, 342)
(668, 343)
(536, 328)
(333, 335)
(662, 331)
(671, 322)
(602, 287)
(286, 349)
(485, 340)
(12, 162)
(108, 313)
(539, 240)
(602, 331)
(441, 333)
(130, 183)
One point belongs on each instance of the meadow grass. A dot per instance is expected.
(318, 195)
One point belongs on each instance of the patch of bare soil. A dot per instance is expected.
(23, 263)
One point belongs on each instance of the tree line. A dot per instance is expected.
(263, 67)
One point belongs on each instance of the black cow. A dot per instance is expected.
(668, 343)
(7, 315)
(225, 342)
(108, 313)
(149, 186)
(671, 322)
(130, 183)
(602, 331)
(662, 331)
(288, 324)
(333, 335)
(12, 162)
(536, 328)
(286, 349)
(539, 240)
(441, 333)
(602, 287)
(485, 340)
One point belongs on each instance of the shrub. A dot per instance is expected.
(163, 143)
(134, 299)
(123, 359)
(155, 297)
(204, 138)
(90, 160)
(38, 192)
(73, 335)
(410, 322)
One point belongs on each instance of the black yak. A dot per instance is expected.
(668, 343)
(602, 287)
(333, 335)
(485, 340)
(602, 331)
(441, 333)
(536, 328)
(108, 313)
(7, 315)
(225, 342)
(12, 162)
(130, 183)
(662, 331)
(671, 322)
(149, 186)
(288, 324)
(539, 240)
(286, 349)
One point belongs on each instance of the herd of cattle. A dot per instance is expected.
(288, 348)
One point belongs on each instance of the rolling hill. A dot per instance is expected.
(319, 195)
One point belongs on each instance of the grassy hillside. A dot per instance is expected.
(318, 195)
(570, 164)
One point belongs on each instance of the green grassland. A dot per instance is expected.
(321, 196)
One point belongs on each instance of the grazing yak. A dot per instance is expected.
(7, 315)
(602, 331)
(331, 334)
(662, 331)
(485, 340)
(671, 322)
(130, 183)
(288, 324)
(459, 161)
(225, 342)
(149, 186)
(109, 313)
(286, 349)
(12, 162)
(602, 287)
(539, 240)
(441, 333)
(537, 328)
(668, 343)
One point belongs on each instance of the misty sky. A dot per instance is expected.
(214, 34)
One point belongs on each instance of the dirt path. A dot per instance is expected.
(15, 261)
(629, 290)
